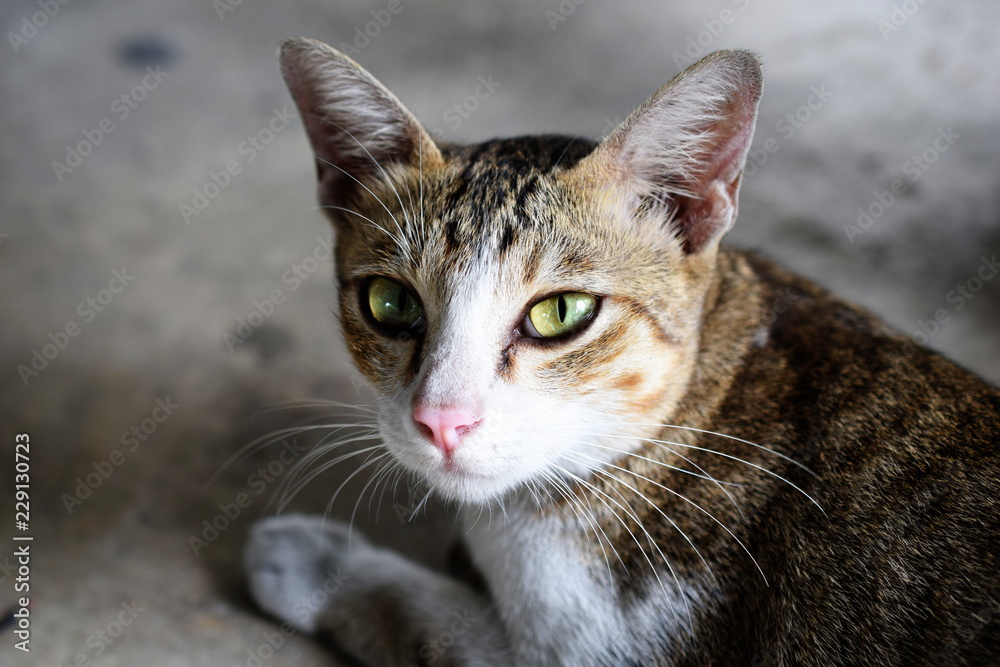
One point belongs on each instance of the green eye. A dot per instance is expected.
(392, 305)
(559, 315)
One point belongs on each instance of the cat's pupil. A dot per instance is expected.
(559, 315)
(392, 305)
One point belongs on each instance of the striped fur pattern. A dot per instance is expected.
(724, 465)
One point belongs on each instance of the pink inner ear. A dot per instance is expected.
(707, 216)
(711, 210)
(727, 158)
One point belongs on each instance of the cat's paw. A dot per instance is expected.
(294, 565)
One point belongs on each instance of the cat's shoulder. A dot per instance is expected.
(829, 349)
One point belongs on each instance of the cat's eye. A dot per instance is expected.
(559, 315)
(392, 305)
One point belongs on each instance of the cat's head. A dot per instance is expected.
(525, 308)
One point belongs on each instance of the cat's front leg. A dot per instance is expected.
(371, 602)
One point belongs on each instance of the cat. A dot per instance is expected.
(687, 455)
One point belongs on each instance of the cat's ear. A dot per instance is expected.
(357, 128)
(681, 154)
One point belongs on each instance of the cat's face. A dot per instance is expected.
(497, 237)
(524, 308)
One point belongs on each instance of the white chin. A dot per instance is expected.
(462, 489)
(463, 481)
(466, 487)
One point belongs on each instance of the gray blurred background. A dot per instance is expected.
(874, 171)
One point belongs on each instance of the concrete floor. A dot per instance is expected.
(131, 303)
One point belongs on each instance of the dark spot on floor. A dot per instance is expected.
(910, 188)
(870, 164)
(269, 341)
(146, 51)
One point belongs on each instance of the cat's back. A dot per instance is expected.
(836, 364)
(896, 562)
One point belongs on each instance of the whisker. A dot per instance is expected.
(416, 510)
(659, 509)
(719, 483)
(704, 474)
(588, 514)
(385, 474)
(703, 511)
(333, 499)
(361, 493)
(503, 510)
(664, 443)
(730, 437)
(399, 478)
(563, 154)
(385, 177)
(420, 172)
(479, 515)
(262, 442)
(302, 467)
(305, 403)
(289, 491)
(371, 223)
(374, 196)
(624, 452)
(631, 513)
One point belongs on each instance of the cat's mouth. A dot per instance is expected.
(457, 467)
(458, 478)
(455, 470)
(466, 486)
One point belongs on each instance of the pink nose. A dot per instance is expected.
(445, 426)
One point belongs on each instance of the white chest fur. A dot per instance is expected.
(556, 604)
(557, 598)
